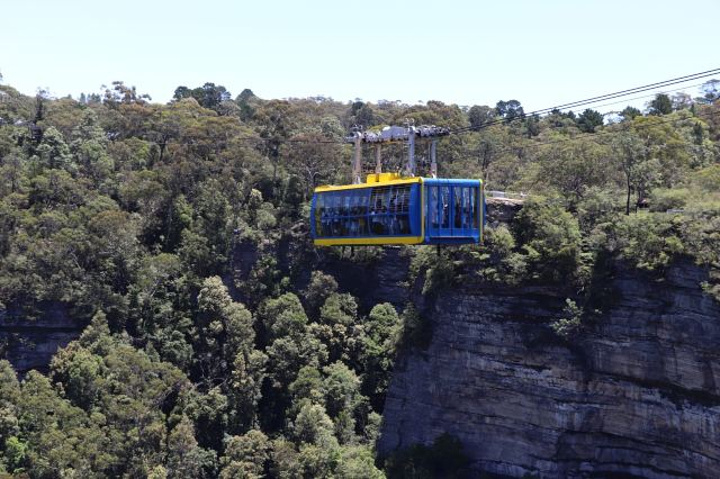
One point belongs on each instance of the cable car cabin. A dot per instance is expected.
(388, 209)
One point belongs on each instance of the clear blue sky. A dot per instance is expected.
(541, 52)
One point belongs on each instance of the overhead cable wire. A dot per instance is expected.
(502, 120)
(630, 91)
(596, 99)
(649, 96)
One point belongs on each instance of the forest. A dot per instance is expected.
(197, 362)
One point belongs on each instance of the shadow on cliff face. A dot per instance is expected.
(379, 279)
(29, 339)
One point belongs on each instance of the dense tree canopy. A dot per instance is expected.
(218, 343)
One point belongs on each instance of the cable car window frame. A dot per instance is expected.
(382, 211)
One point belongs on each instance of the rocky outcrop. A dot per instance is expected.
(30, 342)
(502, 210)
(636, 394)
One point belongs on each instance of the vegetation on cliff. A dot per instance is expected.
(216, 345)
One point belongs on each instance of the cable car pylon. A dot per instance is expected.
(396, 134)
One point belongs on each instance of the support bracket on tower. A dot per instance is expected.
(396, 134)
(410, 165)
(433, 158)
(378, 159)
(357, 160)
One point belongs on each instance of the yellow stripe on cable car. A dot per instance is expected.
(368, 241)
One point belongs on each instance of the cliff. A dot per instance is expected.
(635, 394)
(30, 343)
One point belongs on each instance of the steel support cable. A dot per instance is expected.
(596, 99)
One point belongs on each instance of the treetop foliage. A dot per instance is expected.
(218, 343)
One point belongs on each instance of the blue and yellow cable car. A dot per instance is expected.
(388, 209)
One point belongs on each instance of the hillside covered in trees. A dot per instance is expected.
(216, 343)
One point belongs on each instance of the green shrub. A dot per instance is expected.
(571, 321)
(669, 199)
(436, 266)
(647, 241)
(708, 178)
(549, 238)
(598, 206)
(495, 260)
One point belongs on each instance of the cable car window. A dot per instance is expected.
(474, 196)
(377, 226)
(326, 216)
(357, 203)
(467, 214)
(319, 214)
(459, 207)
(457, 211)
(445, 202)
(338, 203)
(433, 207)
(400, 222)
(353, 208)
(353, 227)
(331, 204)
(404, 224)
(379, 211)
(344, 200)
(327, 200)
(363, 203)
(376, 202)
(362, 226)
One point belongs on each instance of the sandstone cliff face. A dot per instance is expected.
(636, 395)
(31, 343)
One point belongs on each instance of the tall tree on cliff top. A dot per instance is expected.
(208, 96)
(629, 113)
(480, 116)
(661, 105)
(631, 154)
(509, 110)
(589, 120)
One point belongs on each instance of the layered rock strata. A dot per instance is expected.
(636, 394)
